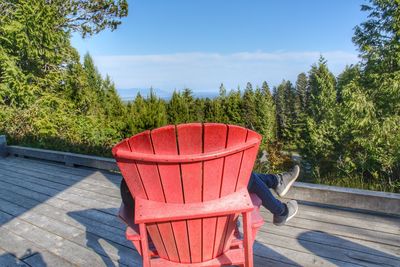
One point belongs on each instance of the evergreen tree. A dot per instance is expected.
(286, 112)
(249, 111)
(149, 113)
(302, 92)
(212, 110)
(378, 37)
(321, 132)
(349, 74)
(95, 81)
(265, 109)
(182, 108)
(232, 108)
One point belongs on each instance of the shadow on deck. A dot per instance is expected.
(54, 215)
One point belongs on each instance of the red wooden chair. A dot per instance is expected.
(189, 183)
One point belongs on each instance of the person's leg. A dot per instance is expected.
(280, 182)
(270, 180)
(259, 187)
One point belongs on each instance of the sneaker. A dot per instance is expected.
(291, 211)
(285, 180)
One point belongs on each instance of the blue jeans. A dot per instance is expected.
(260, 184)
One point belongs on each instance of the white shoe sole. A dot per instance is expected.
(294, 214)
(290, 184)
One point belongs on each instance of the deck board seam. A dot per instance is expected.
(62, 166)
(53, 185)
(72, 177)
(63, 191)
(341, 248)
(342, 235)
(304, 217)
(50, 182)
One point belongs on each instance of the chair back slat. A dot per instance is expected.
(214, 140)
(190, 141)
(164, 143)
(195, 240)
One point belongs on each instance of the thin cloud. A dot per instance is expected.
(205, 71)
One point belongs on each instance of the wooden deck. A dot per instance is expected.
(54, 215)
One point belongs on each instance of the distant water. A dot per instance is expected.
(128, 94)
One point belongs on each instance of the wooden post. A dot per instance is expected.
(3, 146)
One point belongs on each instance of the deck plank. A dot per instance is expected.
(361, 222)
(66, 216)
(48, 187)
(344, 229)
(95, 177)
(337, 255)
(62, 168)
(67, 180)
(324, 238)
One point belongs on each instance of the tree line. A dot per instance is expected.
(346, 127)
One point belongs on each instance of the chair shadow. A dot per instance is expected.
(28, 259)
(347, 251)
(107, 237)
(21, 193)
(265, 256)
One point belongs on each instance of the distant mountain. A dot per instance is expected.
(128, 94)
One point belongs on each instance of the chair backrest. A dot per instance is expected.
(184, 164)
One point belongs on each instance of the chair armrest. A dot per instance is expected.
(153, 211)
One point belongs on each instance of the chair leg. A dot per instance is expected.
(145, 245)
(247, 240)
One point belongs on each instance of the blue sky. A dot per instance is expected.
(173, 44)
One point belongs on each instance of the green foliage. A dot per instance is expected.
(378, 37)
(47, 98)
(89, 17)
(181, 108)
(320, 132)
(287, 112)
(147, 113)
(265, 109)
(250, 117)
(232, 108)
(352, 135)
(302, 93)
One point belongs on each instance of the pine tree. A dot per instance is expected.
(94, 79)
(265, 109)
(249, 111)
(321, 132)
(281, 121)
(286, 112)
(232, 108)
(349, 74)
(149, 113)
(302, 92)
(182, 108)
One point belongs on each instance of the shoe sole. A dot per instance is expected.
(290, 184)
(294, 214)
(287, 219)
